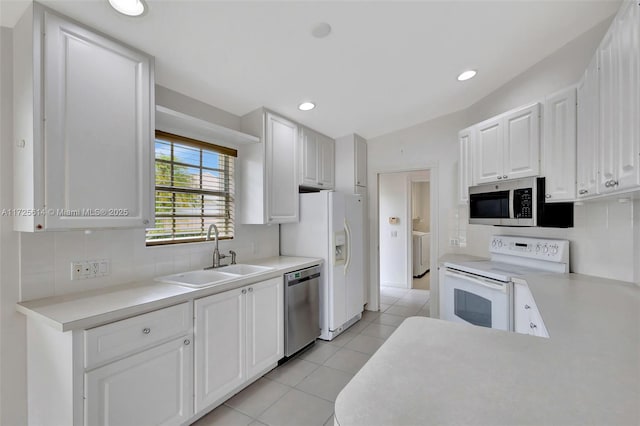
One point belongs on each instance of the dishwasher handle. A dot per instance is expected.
(302, 279)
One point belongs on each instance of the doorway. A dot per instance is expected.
(420, 230)
(404, 229)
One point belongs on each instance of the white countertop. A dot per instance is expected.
(435, 372)
(93, 308)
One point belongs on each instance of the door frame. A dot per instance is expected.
(374, 256)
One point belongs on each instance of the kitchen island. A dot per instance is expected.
(436, 372)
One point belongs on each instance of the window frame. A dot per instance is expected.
(229, 194)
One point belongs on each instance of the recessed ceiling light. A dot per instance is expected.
(321, 30)
(306, 106)
(466, 75)
(128, 7)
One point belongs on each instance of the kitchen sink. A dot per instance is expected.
(199, 278)
(209, 277)
(244, 269)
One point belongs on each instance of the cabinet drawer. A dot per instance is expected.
(125, 337)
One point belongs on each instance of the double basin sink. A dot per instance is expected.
(209, 277)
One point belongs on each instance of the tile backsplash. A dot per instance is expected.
(45, 257)
(604, 239)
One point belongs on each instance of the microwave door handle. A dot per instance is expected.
(480, 281)
(511, 206)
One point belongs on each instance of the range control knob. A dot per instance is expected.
(537, 248)
(554, 250)
(493, 243)
(499, 243)
(545, 249)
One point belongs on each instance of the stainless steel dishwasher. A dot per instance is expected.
(302, 309)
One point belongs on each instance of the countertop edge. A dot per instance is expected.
(36, 309)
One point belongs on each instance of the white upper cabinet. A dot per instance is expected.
(559, 146)
(317, 159)
(587, 132)
(619, 100)
(361, 161)
(351, 164)
(85, 151)
(269, 170)
(507, 146)
(488, 151)
(465, 138)
(522, 143)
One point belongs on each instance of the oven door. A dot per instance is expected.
(472, 299)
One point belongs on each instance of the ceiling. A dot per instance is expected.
(386, 65)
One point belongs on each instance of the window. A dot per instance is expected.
(194, 188)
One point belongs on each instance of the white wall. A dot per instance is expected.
(13, 396)
(394, 238)
(433, 146)
(420, 205)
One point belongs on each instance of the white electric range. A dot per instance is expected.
(481, 292)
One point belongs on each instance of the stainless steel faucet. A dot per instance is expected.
(216, 253)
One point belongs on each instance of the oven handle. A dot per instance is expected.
(477, 280)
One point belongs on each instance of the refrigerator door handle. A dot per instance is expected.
(348, 261)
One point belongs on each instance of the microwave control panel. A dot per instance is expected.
(523, 203)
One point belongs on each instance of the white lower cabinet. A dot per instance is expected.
(150, 388)
(527, 318)
(157, 368)
(239, 336)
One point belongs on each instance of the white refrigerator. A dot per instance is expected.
(331, 226)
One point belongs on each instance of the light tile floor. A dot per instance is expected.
(302, 391)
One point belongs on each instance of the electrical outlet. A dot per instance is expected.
(86, 269)
(454, 242)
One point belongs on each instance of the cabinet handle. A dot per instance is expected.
(357, 182)
(547, 195)
(607, 184)
(532, 325)
(614, 182)
(504, 176)
(146, 330)
(250, 289)
(244, 291)
(187, 342)
(320, 183)
(582, 191)
(527, 307)
(499, 177)
(145, 222)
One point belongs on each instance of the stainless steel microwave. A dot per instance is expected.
(519, 202)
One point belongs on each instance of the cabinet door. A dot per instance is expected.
(98, 104)
(521, 150)
(282, 171)
(220, 346)
(608, 120)
(559, 146)
(627, 96)
(522, 309)
(361, 162)
(153, 387)
(488, 151)
(309, 157)
(588, 131)
(464, 165)
(326, 162)
(265, 325)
